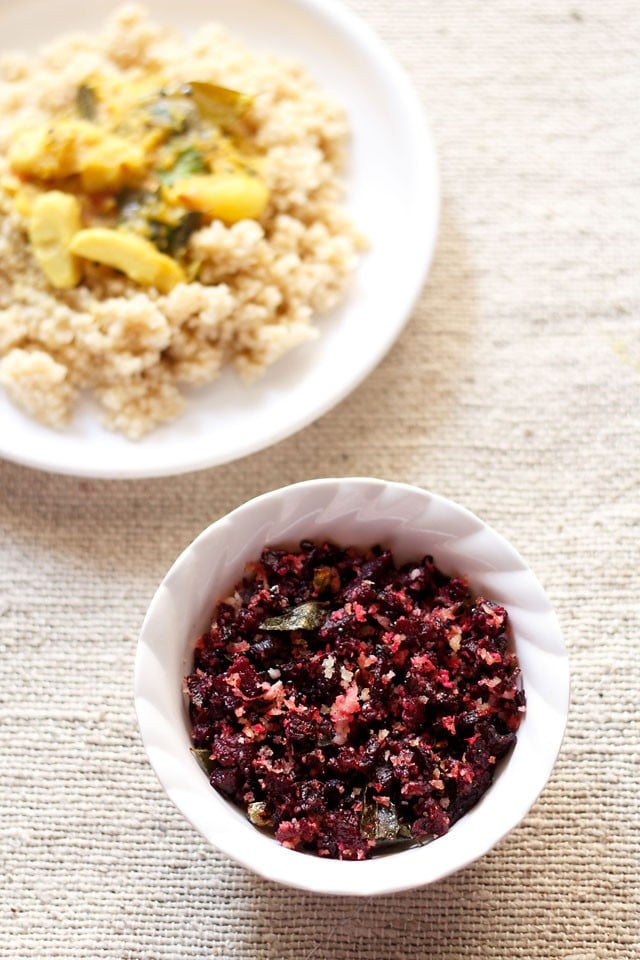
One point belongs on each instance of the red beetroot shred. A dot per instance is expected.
(345, 703)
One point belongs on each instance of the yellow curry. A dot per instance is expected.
(128, 177)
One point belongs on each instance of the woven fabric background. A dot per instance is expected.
(515, 389)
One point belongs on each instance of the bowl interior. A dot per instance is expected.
(358, 512)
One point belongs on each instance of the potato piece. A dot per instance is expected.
(55, 219)
(104, 160)
(52, 152)
(10, 184)
(131, 254)
(226, 196)
(110, 164)
(25, 198)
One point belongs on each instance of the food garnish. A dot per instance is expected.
(86, 102)
(203, 758)
(55, 220)
(306, 616)
(219, 105)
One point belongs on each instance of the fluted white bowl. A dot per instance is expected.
(360, 512)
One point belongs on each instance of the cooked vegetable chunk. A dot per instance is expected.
(131, 254)
(55, 219)
(111, 164)
(104, 161)
(52, 152)
(227, 196)
(24, 198)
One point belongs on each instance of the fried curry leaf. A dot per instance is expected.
(306, 616)
(86, 102)
(204, 759)
(404, 841)
(188, 225)
(379, 822)
(219, 105)
(172, 238)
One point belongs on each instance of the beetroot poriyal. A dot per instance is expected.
(346, 703)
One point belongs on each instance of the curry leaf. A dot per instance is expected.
(306, 616)
(86, 102)
(219, 105)
(380, 822)
(204, 758)
(172, 238)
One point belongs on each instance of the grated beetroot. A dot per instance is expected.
(345, 703)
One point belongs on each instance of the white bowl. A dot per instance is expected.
(360, 512)
(392, 195)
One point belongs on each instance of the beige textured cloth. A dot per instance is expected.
(515, 390)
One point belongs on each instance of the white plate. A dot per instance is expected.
(392, 196)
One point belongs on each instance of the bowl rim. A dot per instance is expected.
(352, 880)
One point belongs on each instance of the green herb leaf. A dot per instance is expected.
(187, 163)
(307, 616)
